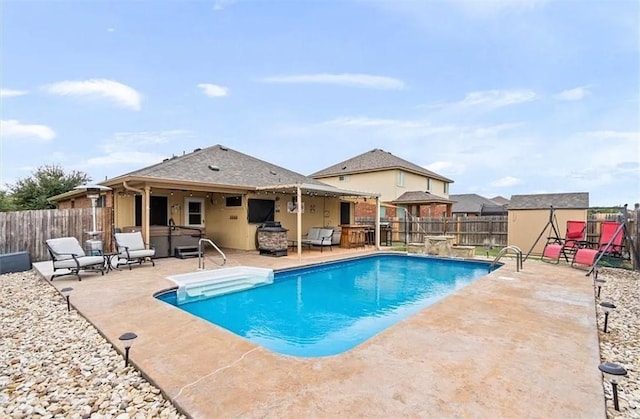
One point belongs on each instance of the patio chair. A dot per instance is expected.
(611, 238)
(609, 244)
(319, 237)
(66, 253)
(132, 249)
(574, 239)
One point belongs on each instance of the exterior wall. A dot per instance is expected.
(525, 226)
(83, 202)
(386, 183)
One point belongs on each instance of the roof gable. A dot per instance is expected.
(373, 161)
(574, 200)
(223, 166)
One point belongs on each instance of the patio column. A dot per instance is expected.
(377, 233)
(146, 198)
(299, 221)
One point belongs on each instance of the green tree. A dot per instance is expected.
(31, 193)
(6, 202)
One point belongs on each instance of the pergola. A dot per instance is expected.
(300, 189)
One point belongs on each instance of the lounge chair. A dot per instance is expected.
(574, 239)
(319, 237)
(66, 253)
(611, 238)
(610, 244)
(132, 249)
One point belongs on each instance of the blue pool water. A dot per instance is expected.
(328, 309)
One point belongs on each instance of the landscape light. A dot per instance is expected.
(127, 341)
(614, 373)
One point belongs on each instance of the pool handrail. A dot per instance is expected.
(504, 251)
(201, 253)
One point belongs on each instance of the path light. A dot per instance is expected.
(614, 373)
(598, 283)
(127, 340)
(66, 292)
(608, 308)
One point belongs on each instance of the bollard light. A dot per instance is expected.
(608, 308)
(66, 292)
(614, 373)
(127, 341)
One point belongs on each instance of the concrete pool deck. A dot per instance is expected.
(512, 344)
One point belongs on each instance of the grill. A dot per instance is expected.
(272, 239)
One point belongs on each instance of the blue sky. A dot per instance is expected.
(503, 97)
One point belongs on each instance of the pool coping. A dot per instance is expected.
(456, 338)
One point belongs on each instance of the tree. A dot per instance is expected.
(6, 202)
(31, 193)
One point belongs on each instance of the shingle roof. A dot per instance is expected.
(474, 203)
(499, 200)
(420, 197)
(574, 200)
(233, 169)
(373, 161)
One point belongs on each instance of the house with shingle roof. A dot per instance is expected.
(221, 191)
(531, 216)
(400, 183)
(471, 204)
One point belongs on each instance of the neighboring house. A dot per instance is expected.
(399, 182)
(226, 193)
(468, 205)
(500, 200)
(530, 216)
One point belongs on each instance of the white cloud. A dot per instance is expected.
(493, 8)
(143, 140)
(213, 90)
(12, 92)
(493, 99)
(12, 128)
(222, 4)
(506, 181)
(111, 29)
(123, 95)
(574, 94)
(137, 158)
(447, 168)
(353, 80)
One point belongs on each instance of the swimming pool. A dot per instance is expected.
(330, 308)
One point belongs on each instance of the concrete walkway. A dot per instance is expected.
(509, 345)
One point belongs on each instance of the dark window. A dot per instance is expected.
(138, 210)
(261, 210)
(234, 201)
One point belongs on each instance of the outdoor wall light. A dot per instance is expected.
(614, 373)
(66, 292)
(608, 308)
(127, 341)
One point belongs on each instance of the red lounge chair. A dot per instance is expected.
(574, 240)
(609, 244)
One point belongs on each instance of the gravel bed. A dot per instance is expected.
(56, 365)
(621, 343)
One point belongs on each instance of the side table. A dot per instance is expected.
(108, 261)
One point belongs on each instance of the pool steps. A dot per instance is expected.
(210, 283)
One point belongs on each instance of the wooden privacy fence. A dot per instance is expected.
(28, 230)
(468, 231)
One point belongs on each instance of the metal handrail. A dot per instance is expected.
(201, 253)
(504, 251)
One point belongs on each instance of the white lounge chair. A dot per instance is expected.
(131, 249)
(66, 253)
